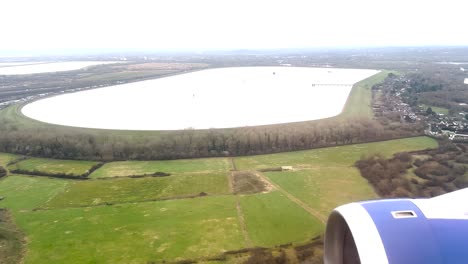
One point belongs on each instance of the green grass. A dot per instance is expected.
(323, 189)
(133, 233)
(95, 192)
(127, 168)
(326, 178)
(7, 157)
(53, 166)
(127, 233)
(272, 219)
(137, 230)
(334, 156)
(439, 110)
(25, 192)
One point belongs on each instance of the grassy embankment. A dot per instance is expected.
(359, 103)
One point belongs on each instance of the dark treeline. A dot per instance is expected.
(58, 175)
(67, 143)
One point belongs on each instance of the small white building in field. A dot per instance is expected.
(286, 168)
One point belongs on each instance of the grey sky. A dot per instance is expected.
(31, 25)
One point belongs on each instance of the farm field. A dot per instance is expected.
(124, 190)
(322, 188)
(133, 233)
(273, 219)
(128, 168)
(29, 192)
(7, 157)
(333, 156)
(53, 166)
(130, 220)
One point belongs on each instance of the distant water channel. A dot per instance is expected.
(22, 68)
(214, 98)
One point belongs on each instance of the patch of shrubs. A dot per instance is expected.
(156, 174)
(53, 175)
(83, 176)
(442, 172)
(385, 174)
(17, 160)
(270, 169)
(3, 172)
(462, 158)
(160, 174)
(93, 168)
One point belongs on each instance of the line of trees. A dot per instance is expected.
(58, 175)
(57, 142)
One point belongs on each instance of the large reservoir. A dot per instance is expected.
(214, 98)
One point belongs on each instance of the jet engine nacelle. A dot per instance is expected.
(400, 231)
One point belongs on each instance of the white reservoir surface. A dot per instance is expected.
(43, 67)
(214, 98)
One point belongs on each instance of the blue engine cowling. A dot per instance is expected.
(400, 231)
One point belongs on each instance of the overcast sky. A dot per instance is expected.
(47, 25)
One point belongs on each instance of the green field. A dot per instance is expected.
(133, 233)
(127, 168)
(323, 188)
(125, 233)
(6, 157)
(29, 192)
(273, 219)
(123, 190)
(127, 220)
(53, 166)
(333, 156)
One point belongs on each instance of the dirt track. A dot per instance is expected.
(304, 206)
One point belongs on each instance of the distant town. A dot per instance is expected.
(391, 99)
